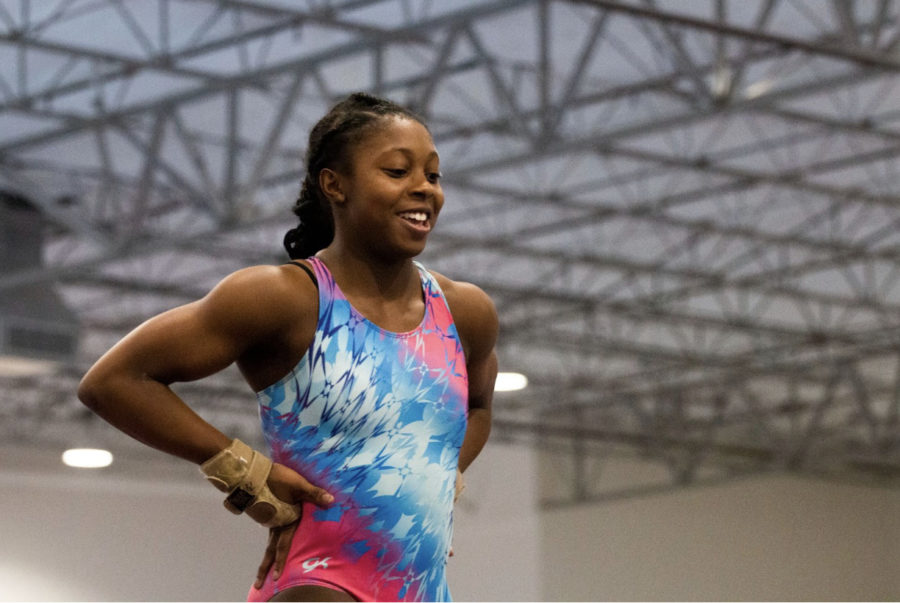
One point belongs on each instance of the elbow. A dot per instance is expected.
(92, 390)
(88, 390)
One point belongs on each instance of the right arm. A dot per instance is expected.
(249, 311)
(129, 385)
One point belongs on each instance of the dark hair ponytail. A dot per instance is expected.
(329, 141)
(316, 228)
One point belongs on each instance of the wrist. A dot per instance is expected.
(242, 473)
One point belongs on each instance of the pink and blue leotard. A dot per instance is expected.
(377, 419)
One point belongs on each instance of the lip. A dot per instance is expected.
(423, 229)
(420, 209)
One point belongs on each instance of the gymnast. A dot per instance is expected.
(373, 375)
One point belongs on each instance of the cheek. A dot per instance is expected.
(439, 202)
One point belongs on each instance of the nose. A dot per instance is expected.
(422, 188)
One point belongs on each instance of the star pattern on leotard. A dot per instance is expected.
(378, 419)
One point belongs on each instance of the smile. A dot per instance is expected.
(416, 219)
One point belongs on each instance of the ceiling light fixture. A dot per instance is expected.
(87, 458)
(510, 382)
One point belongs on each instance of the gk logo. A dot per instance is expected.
(314, 562)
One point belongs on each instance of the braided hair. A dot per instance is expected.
(329, 142)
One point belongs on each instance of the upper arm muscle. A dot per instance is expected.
(476, 321)
(205, 336)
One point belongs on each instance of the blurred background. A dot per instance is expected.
(686, 212)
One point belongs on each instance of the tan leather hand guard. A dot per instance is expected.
(242, 472)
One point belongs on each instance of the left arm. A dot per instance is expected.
(476, 321)
(481, 390)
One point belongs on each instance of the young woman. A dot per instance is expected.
(374, 376)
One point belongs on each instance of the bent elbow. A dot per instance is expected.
(91, 390)
(87, 391)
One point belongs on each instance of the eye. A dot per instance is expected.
(433, 177)
(395, 173)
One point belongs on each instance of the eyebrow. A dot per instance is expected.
(408, 151)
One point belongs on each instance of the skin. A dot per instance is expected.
(264, 318)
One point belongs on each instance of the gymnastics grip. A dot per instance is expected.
(241, 472)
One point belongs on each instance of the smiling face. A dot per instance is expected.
(388, 195)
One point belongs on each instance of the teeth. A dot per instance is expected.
(418, 216)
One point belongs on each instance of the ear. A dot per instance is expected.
(330, 185)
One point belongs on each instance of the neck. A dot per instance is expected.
(370, 275)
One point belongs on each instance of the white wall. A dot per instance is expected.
(71, 536)
(153, 532)
(157, 532)
(765, 538)
(497, 529)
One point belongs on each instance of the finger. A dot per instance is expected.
(268, 558)
(283, 547)
(460, 485)
(288, 485)
(317, 496)
(313, 494)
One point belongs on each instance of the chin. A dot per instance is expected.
(409, 253)
(398, 252)
(409, 248)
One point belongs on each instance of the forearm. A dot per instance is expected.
(152, 413)
(477, 432)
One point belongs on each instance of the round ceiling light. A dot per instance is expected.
(510, 382)
(87, 458)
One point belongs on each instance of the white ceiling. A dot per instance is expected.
(685, 211)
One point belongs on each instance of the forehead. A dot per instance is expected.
(397, 133)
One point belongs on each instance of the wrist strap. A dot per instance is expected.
(241, 472)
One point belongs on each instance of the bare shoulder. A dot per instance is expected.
(246, 311)
(473, 312)
(471, 301)
(260, 297)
